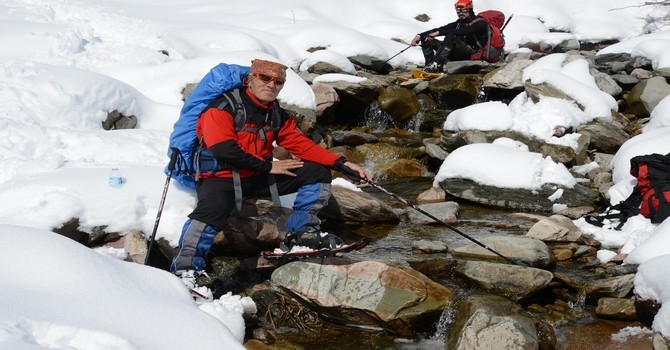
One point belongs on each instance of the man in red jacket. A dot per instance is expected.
(462, 38)
(246, 165)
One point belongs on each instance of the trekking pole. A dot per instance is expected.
(390, 58)
(507, 21)
(349, 172)
(171, 166)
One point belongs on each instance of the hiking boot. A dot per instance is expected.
(316, 239)
(190, 280)
(187, 278)
(291, 240)
(190, 277)
(433, 68)
(329, 241)
(312, 237)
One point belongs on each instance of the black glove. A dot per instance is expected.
(423, 36)
(350, 173)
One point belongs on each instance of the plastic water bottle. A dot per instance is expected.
(115, 179)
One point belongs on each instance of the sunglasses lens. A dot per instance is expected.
(266, 79)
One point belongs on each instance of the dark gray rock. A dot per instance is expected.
(519, 199)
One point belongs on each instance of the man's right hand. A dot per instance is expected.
(285, 166)
(417, 38)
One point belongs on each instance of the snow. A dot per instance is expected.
(514, 168)
(65, 64)
(63, 295)
(332, 57)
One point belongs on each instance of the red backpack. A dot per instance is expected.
(650, 197)
(653, 181)
(492, 50)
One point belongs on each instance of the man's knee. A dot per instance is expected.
(314, 172)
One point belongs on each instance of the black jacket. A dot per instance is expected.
(473, 31)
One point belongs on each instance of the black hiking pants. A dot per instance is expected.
(216, 201)
(452, 48)
(216, 197)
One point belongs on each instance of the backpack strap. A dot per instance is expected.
(659, 176)
(196, 159)
(487, 54)
(599, 220)
(488, 31)
(234, 100)
(237, 184)
(663, 209)
(626, 208)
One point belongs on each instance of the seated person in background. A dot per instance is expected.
(462, 38)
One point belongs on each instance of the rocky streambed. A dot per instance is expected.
(583, 304)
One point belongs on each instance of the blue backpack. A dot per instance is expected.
(183, 139)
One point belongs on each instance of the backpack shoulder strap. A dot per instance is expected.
(625, 209)
(233, 99)
(275, 119)
(488, 30)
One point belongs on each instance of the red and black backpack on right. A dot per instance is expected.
(651, 195)
(653, 181)
(493, 49)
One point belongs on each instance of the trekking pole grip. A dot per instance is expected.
(173, 158)
(351, 173)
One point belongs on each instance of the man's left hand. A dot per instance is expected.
(285, 165)
(362, 173)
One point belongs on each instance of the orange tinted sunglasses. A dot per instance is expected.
(267, 79)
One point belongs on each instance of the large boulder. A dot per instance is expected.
(646, 95)
(357, 206)
(456, 91)
(604, 135)
(520, 251)
(512, 281)
(492, 322)
(398, 102)
(519, 199)
(368, 294)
